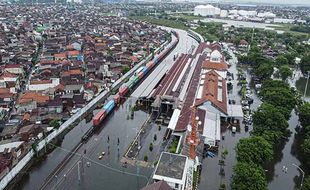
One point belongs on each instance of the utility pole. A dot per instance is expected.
(302, 172)
(305, 92)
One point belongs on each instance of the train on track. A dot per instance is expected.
(140, 73)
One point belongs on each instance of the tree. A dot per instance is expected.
(254, 150)
(304, 114)
(270, 123)
(280, 95)
(305, 149)
(248, 177)
(305, 64)
(306, 185)
(264, 71)
(54, 123)
(281, 60)
(285, 72)
(145, 158)
(125, 69)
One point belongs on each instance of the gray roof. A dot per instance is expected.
(171, 165)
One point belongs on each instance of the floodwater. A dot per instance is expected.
(107, 172)
(211, 178)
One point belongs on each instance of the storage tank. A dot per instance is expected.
(210, 10)
(206, 10)
(217, 11)
(224, 13)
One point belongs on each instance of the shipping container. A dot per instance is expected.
(109, 106)
(123, 91)
(130, 84)
(117, 99)
(99, 117)
(139, 70)
(145, 71)
(136, 80)
(141, 75)
(150, 65)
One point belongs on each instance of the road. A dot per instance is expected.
(98, 174)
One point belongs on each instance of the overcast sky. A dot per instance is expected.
(307, 2)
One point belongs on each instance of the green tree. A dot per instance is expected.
(281, 60)
(125, 69)
(54, 123)
(285, 72)
(305, 64)
(264, 71)
(305, 149)
(254, 150)
(304, 114)
(280, 95)
(306, 185)
(269, 123)
(248, 177)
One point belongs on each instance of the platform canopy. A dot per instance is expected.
(174, 119)
(235, 111)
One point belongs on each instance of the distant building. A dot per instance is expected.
(39, 85)
(206, 10)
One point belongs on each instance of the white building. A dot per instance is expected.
(224, 13)
(266, 15)
(283, 20)
(206, 10)
(43, 85)
(173, 169)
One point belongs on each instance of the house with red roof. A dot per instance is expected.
(14, 68)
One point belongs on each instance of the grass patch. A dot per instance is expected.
(287, 28)
(174, 145)
(195, 174)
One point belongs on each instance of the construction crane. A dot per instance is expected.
(192, 139)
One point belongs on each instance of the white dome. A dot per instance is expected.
(216, 56)
(206, 10)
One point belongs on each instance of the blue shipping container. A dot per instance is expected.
(145, 70)
(109, 106)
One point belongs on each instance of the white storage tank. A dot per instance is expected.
(224, 13)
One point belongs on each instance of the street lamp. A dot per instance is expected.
(302, 172)
(306, 85)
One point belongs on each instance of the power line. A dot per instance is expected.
(103, 165)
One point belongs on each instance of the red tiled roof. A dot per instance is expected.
(210, 91)
(13, 66)
(72, 72)
(40, 81)
(243, 42)
(33, 96)
(60, 55)
(4, 90)
(8, 75)
(221, 66)
(73, 53)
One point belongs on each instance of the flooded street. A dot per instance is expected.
(107, 172)
(285, 157)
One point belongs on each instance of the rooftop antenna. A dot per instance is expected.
(192, 139)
